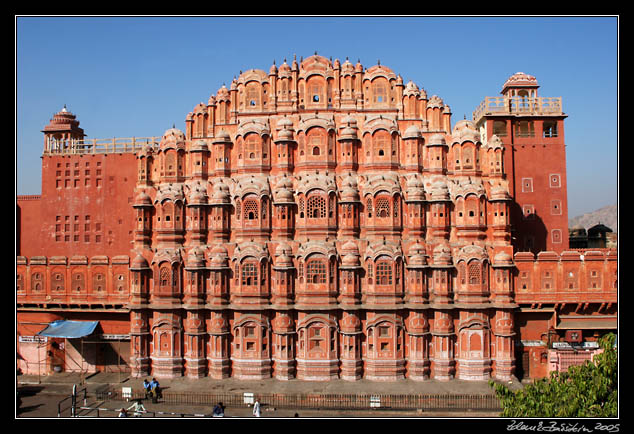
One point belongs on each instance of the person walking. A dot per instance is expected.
(147, 388)
(156, 390)
(256, 408)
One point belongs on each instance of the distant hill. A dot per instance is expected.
(608, 216)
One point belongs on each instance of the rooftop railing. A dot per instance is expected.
(99, 146)
(502, 105)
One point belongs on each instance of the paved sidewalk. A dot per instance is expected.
(271, 385)
(60, 385)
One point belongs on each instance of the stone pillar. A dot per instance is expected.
(443, 339)
(195, 362)
(139, 343)
(350, 346)
(417, 345)
(219, 364)
(283, 335)
(167, 338)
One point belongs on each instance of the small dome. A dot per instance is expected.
(442, 255)
(219, 257)
(348, 133)
(411, 89)
(172, 138)
(284, 195)
(142, 199)
(412, 132)
(285, 135)
(220, 193)
(349, 194)
(284, 68)
(222, 137)
(350, 254)
(139, 262)
(502, 258)
(437, 139)
(283, 252)
(350, 261)
(500, 192)
(439, 191)
(197, 197)
(417, 255)
(222, 94)
(347, 66)
(195, 259)
(200, 146)
(520, 79)
(415, 189)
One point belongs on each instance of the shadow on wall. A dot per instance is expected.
(528, 231)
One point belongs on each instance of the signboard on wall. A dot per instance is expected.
(32, 339)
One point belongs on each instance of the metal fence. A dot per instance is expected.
(445, 402)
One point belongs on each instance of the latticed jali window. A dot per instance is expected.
(165, 276)
(316, 207)
(383, 207)
(474, 273)
(316, 271)
(384, 273)
(249, 274)
(250, 208)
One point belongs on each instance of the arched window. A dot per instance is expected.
(384, 272)
(253, 96)
(250, 208)
(252, 146)
(475, 270)
(170, 164)
(316, 271)
(316, 140)
(317, 336)
(467, 157)
(316, 206)
(381, 143)
(380, 92)
(315, 91)
(383, 207)
(164, 276)
(461, 273)
(249, 274)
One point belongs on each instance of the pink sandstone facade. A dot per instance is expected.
(317, 221)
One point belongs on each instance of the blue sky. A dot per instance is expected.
(138, 76)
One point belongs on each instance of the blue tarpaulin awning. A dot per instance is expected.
(69, 329)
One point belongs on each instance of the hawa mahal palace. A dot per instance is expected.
(316, 221)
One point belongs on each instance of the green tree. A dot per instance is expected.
(588, 390)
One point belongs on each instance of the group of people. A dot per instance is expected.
(152, 390)
(219, 409)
